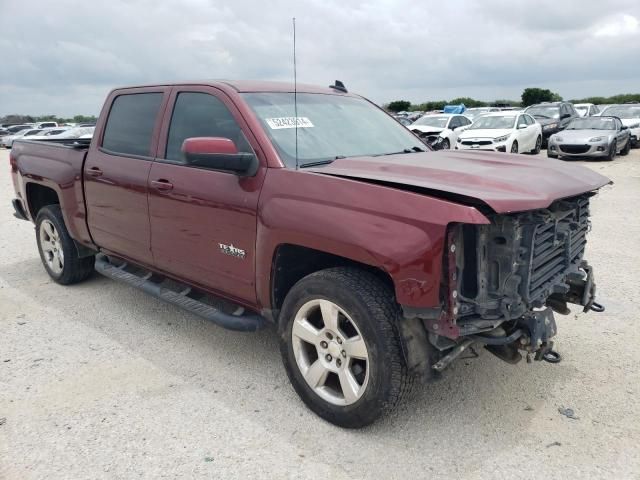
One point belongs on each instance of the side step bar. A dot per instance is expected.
(153, 284)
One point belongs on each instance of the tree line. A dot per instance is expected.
(530, 96)
(17, 118)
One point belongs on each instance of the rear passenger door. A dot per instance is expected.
(116, 172)
(198, 215)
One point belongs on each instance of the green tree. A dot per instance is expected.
(468, 102)
(399, 105)
(532, 95)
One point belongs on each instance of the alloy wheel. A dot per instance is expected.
(330, 352)
(51, 246)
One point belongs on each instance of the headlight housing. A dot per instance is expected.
(596, 139)
(501, 139)
(549, 126)
(554, 138)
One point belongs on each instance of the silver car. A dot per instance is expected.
(595, 137)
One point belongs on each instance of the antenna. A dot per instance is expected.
(295, 89)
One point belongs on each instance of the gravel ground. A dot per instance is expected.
(100, 380)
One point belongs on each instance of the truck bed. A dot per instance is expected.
(56, 165)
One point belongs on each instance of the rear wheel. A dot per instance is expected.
(58, 252)
(536, 149)
(340, 346)
(627, 148)
(514, 147)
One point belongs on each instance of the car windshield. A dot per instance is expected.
(582, 109)
(329, 127)
(592, 123)
(432, 121)
(623, 111)
(493, 122)
(544, 111)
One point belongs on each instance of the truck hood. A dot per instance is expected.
(504, 182)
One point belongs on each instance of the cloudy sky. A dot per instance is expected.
(62, 57)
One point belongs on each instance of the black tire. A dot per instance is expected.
(612, 152)
(371, 306)
(627, 148)
(538, 147)
(514, 147)
(445, 144)
(74, 269)
(551, 155)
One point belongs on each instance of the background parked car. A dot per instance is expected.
(595, 137)
(16, 128)
(7, 140)
(66, 133)
(502, 132)
(440, 131)
(49, 132)
(586, 109)
(472, 113)
(553, 116)
(630, 116)
(45, 125)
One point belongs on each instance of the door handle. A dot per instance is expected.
(162, 185)
(94, 172)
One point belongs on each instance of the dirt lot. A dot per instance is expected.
(102, 381)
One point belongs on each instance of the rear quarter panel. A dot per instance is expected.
(400, 232)
(59, 168)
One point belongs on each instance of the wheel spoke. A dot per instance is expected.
(48, 229)
(349, 385)
(316, 374)
(355, 347)
(47, 246)
(329, 315)
(305, 331)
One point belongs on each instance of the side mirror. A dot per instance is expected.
(624, 127)
(219, 153)
(565, 115)
(522, 125)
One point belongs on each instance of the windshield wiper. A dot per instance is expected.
(406, 150)
(321, 162)
(540, 115)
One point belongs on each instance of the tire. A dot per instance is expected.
(551, 155)
(514, 147)
(365, 310)
(538, 147)
(445, 144)
(58, 252)
(627, 148)
(612, 152)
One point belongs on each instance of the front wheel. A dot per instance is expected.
(445, 144)
(612, 152)
(341, 348)
(514, 147)
(58, 252)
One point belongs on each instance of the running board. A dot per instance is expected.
(180, 294)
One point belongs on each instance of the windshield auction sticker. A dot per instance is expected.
(288, 122)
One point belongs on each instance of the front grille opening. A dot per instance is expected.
(470, 250)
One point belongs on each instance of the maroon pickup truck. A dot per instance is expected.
(379, 262)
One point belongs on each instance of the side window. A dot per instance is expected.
(201, 115)
(464, 121)
(530, 120)
(521, 120)
(130, 123)
(595, 110)
(454, 123)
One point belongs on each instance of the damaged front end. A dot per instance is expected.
(504, 280)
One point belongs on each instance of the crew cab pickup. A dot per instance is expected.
(377, 260)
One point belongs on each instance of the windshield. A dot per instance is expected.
(592, 123)
(329, 127)
(432, 121)
(544, 111)
(582, 110)
(623, 111)
(493, 122)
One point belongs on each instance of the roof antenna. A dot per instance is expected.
(295, 89)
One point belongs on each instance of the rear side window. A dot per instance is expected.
(130, 123)
(201, 115)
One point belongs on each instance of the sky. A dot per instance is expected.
(63, 57)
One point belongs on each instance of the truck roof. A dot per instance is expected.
(245, 86)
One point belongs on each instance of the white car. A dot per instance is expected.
(629, 114)
(42, 125)
(7, 141)
(64, 133)
(502, 132)
(440, 131)
(473, 113)
(586, 109)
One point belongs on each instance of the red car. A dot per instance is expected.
(377, 261)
